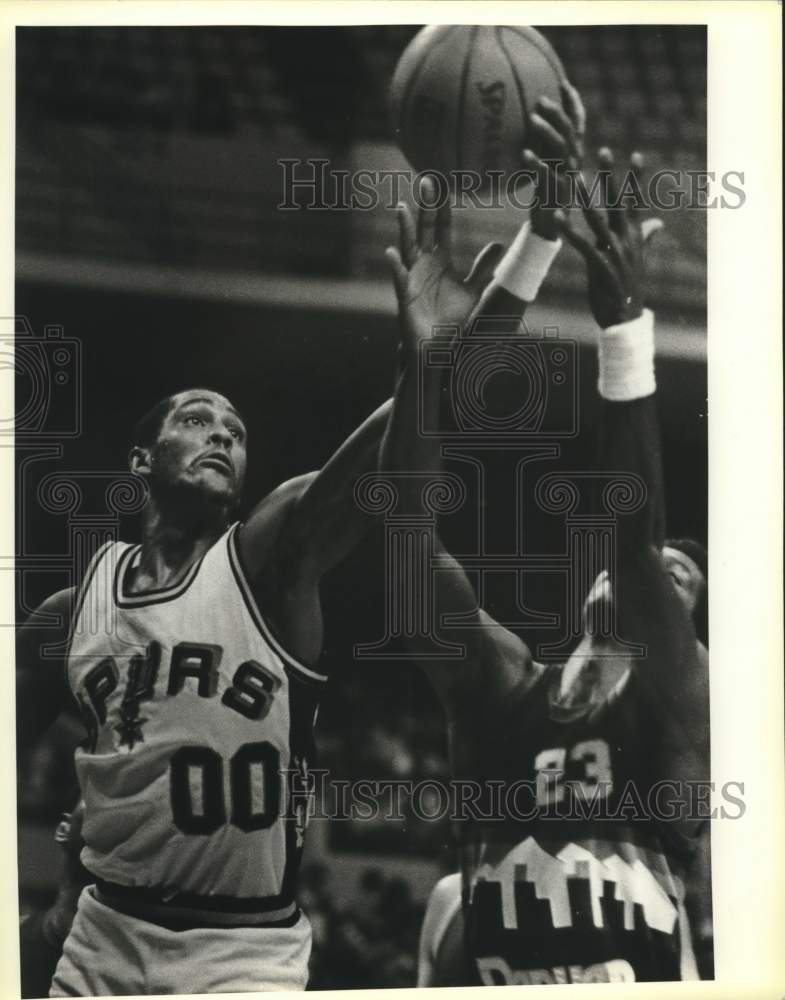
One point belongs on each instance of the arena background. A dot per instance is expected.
(147, 228)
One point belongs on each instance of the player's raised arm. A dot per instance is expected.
(302, 530)
(432, 301)
(41, 685)
(648, 608)
(311, 522)
(558, 132)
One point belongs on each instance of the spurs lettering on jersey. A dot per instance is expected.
(200, 733)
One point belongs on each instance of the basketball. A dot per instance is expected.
(461, 96)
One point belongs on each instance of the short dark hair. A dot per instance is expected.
(149, 426)
(697, 552)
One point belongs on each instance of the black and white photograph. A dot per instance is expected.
(363, 478)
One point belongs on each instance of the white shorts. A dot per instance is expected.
(109, 953)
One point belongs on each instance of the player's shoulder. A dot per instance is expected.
(54, 611)
(60, 600)
(445, 893)
(509, 668)
(258, 535)
(500, 645)
(443, 904)
(277, 501)
(47, 627)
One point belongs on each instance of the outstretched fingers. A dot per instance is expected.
(407, 235)
(554, 115)
(636, 165)
(549, 181)
(559, 131)
(598, 218)
(597, 221)
(426, 217)
(550, 132)
(443, 234)
(432, 229)
(537, 167)
(617, 217)
(571, 100)
(649, 226)
(590, 254)
(400, 274)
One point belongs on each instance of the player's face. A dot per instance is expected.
(686, 575)
(201, 445)
(687, 579)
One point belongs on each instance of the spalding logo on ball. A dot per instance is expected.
(462, 95)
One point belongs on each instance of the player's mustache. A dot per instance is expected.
(215, 455)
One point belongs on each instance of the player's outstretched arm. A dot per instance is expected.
(649, 610)
(313, 524)
(558, 132)
(496, 659)
(305, 527)
(431, 301)
(41, 684)
(310, 523)
(431, 298)
(300, 531)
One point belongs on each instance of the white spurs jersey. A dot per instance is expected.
(200, 730)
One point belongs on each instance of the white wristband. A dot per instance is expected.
(523, 268)
(626, 357)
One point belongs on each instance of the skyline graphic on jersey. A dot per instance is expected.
(635, 883)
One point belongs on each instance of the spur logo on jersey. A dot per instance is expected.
(494, 971)
(142, 675)
(250, 693)
(550, 875)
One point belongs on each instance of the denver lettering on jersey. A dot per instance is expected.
(495, 971)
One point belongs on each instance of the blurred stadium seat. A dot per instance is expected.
(189, 124)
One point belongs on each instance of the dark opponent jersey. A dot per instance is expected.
(571, 879)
